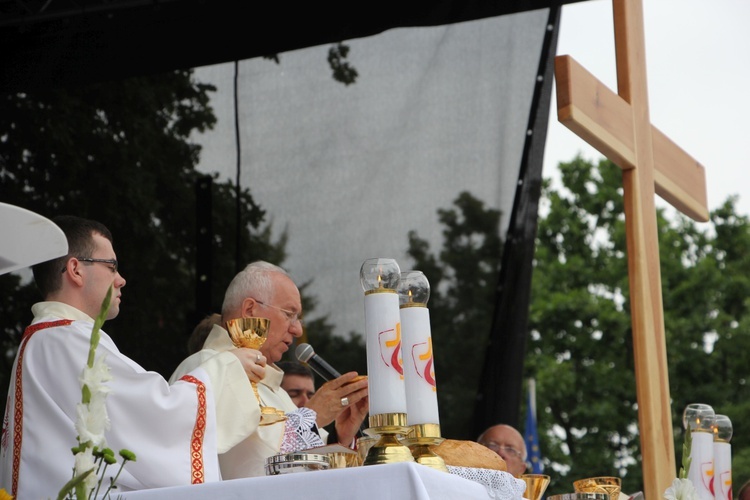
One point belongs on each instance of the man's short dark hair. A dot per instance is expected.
(201, 332)
(79, 233)
(295, 368)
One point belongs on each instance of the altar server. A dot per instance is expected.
(176, 432)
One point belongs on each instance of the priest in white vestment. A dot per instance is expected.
(176, 431)
(265, 290)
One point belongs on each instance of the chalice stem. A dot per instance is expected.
(257, 395)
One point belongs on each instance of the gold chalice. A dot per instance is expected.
(603, 484)
(252, 333)
(536, 485)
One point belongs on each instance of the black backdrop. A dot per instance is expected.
(65, 43)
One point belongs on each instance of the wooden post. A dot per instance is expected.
(619, 127)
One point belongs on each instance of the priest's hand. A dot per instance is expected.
(336, 396)
(350, 420)
(253, 362)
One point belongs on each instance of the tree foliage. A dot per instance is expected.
(580, 345)
(120, 152)
(580, 348)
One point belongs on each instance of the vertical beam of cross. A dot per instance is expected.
(619, 127)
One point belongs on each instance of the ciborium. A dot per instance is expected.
(364, 443)
(602, 484)
(536, 485)
(252, 333)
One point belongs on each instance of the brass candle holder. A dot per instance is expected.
(388, 449)
(419, 439)
(252, 333)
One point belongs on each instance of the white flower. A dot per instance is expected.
(85, 461)
(92, 418)
(96, 376)
(92, 421)
(681, 489)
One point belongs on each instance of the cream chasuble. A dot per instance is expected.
(248, 458)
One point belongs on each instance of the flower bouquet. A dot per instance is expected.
(92, 457)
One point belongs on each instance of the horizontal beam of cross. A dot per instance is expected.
(604, 120)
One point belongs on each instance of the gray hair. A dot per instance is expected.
(253, 281)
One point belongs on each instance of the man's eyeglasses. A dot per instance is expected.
(497, 448)
(292, 316)
(111, 262)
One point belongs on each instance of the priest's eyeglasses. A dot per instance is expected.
(110, 262)
(497, 448)
(291, 316)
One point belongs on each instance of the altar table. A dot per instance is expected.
(408, 481)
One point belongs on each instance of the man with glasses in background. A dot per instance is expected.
(158, 422)
(509, 444)
(267, 291)
(298, 382)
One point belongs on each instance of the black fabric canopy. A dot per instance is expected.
(65, 42)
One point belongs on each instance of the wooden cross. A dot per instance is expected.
(619, 127)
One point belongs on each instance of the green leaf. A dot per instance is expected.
(98, 322)
(75, 483)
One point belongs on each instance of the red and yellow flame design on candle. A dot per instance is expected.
(424, 363)
(390, 349)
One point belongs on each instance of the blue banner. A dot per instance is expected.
(531, 435)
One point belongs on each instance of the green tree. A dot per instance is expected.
(463, 277)
(580, 346)
(120, 152)
(727, 386)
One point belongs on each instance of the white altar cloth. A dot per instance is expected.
(408, 481)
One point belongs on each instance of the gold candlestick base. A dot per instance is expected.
(388, 449)
(419, 439)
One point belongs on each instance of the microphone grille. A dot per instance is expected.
(304, 352)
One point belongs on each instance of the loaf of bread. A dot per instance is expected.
(469, 454)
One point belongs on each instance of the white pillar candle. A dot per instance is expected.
(384, 361)
(419, 368)
(698, 420)
(722, 431)
(702, 462)
(722, 470)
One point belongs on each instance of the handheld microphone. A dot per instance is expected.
(306, 354)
